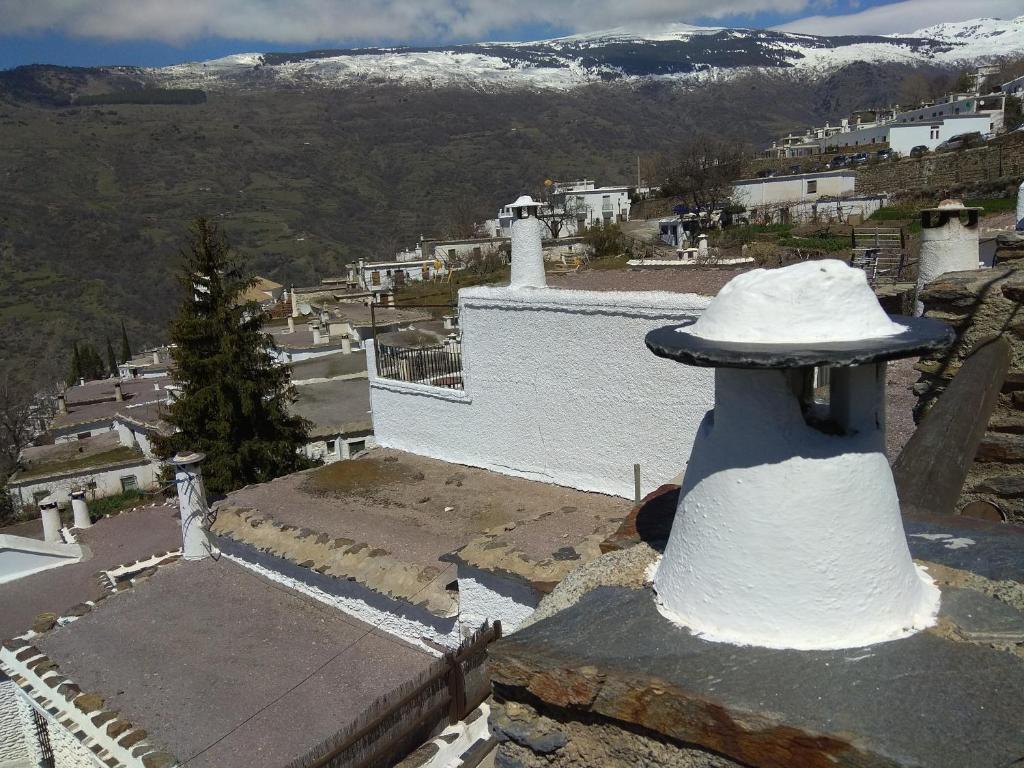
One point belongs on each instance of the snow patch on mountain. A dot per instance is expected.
(673, 52)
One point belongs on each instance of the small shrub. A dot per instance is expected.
(110, 505)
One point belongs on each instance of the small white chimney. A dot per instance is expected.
(51, 520)
(80, 509)
(156, 357)
(295, 302)
(118, 394)
(346, 345)
(316, 334)
(62, 403)
(702, 244)
(291, 324)
(192, 502)
(948, 243)
(527, 251)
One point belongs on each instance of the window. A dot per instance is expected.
(812, 187)
(332, 446)
(129, 483)
(375, 277)
(356, 446)
(83, 435)
(38, 496)
(933, 132)
(91, 485)
(451, 253)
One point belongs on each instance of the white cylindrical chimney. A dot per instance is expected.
(80, 509)
(316, 334)
(295, 303)
(346, 345)
(291, 325)
(1020, 207)
(51, 520)
(527, 251)
(702, 245)
(118, 394)
(192, 501)
(156, 357)
(948, 244)
(62, 403)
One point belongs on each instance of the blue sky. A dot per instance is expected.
(161, 32)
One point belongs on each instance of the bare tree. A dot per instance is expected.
(561, 210)
(703, 171)
(16, 418)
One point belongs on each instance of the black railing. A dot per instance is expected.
(436, 366)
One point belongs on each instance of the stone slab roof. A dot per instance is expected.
(136, 392)
(103, 389)
(112, 541)
(225, 668)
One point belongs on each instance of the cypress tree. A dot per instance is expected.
(76, 366)
(111, 360)
(126, 349)
(234, 398)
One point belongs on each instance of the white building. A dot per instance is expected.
(391, 275)
(903, 137)
(798, 188)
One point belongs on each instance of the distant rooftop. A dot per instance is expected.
(335, 407)
(75, 456)
(329, 366)
(225, 668)
(136, 392)
(701, 281)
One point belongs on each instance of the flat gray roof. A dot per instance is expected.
(334, 407)
(73, 456)
(330, 366)
(226, 669)
(111, 541)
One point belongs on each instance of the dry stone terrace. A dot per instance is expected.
(224, 668)
(110, 542)
(388, 518)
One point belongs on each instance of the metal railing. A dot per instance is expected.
(439, 365)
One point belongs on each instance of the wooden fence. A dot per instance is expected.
(397, 723)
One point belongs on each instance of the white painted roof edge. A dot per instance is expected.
(649, 301)
(25, 544)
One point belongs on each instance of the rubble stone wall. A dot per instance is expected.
(982, 304)
(13, 748)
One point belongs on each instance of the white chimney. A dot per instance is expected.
(192, 502)
(156, 357)
(80, 509)
(316, 334)
(702, 245)
(527, 251)
(291, 324)
(118, 394)
(788, 532)
(346, 345)
(948, 244)
(62, 403)
(295, 303)
(51, 520)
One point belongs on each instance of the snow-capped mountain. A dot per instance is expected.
(676, 52)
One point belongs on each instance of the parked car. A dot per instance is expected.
(769, 173)
(793, 169)
(961, 141)
(919, 151)
(885, 154)
(839, 161)
(860, 157)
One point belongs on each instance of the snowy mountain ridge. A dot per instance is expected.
(674, 52)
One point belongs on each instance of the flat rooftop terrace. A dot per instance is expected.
(110, 542)
(226, 669)
(699, 280)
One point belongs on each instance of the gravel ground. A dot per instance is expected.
(225, 668)
(419, 508)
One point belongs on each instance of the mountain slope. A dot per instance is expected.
(676, 52)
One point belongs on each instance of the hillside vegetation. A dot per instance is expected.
(95, 200)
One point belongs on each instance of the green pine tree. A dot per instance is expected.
(76, 366)
(111, 360)
(234, 401)
(126, 349)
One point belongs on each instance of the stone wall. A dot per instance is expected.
(982, 304)
(998, 163)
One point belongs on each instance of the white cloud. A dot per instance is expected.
(324, 21)
(905, 16)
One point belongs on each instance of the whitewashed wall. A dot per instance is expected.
(14, 750)
(559, 387)
(108, 483)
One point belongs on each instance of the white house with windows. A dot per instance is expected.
(903, 137)
(391, 275)
(798, 188)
